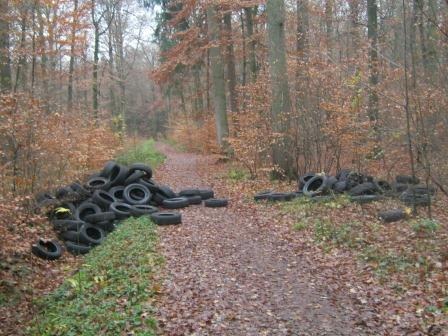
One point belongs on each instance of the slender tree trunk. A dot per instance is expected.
(230, 62)
(219, 95)
(21, 71)
(372, 34)
(243, 46)
(281, 103)
(249, 12)
(72, 56)
(95, 90)
(33, 47)
(198, 102)
(329, 25)
(5, 61)
(112, 103)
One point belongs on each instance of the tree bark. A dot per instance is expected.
(372, 34)
(230, 62)
(329, 25)
(281, 102)
(249, 12)
(5, 60)
(217, 69)
(72, 56)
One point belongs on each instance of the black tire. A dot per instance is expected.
(263, 195)
(304, 179)
(393, 215)
(175, 203)
(43, 196)
(134, 177)
(421, 190)
(72, 235)
(366, 188)
(100, 217)
(167, 191)
(410, 198)
(117, 193)
(77, 248)
(343, 174)
(63, 192)
(118, 175)
(166, 218)
(82, 192)
(399, 187)
(98, 182)
(158, 199)
(85, 209)
(216, 202)
(136, 194)
(317, 199)
(189, 192)
(121, 210)
(206, 193)
(91, 235)
(143, 209)
(106, 226)
(108, 167)
(47, 249)
(279, 197)
(331, 181)
(362, 199)
(384, 186)
(103, 199)
(340, 186)
(316, 185)
(141, 167)
(150, 184)
(67, 224)
(407, 179)
(194, 200)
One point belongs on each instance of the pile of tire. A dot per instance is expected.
(359, 187)
(83, 214)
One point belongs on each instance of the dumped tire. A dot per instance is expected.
(136, 194)
(340, 186)
(98, 183)
(85, 209)
(117, 175)
(393, 215)
(304, 179)
(77, 248)
(134, 177)
(362, 199)
(421, 190)
(399, 187)
(331, 181)
(121, 210)
(72, 235)
(189, 192)
(263, 195)
(43, 196)
(141, 167)
(194, 200)
(143, 209)
(407, 179)
(216, 202)
(166, 218)
(91, 235)
(80, 190)
(63, 192)
(315, 186)
(117, 193)
(206, 193)
(158, 199)
(279, 197)
(384, 186)
(100, 217)
(103, 199)
(166, 191)
(175, 203)
(410, 198)
(47, 249)
(343, 174)
(106, 226)
(67, 224)
(107, 170)
(366, 188)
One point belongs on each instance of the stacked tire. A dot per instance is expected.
(83, 215)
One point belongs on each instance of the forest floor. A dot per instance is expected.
(254, 269)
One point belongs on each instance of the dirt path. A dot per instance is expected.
(229, 273)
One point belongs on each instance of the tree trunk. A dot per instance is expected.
(5, 61)
(281, 103)
(95, 90)
(252, 43)
(329, 26)
(372, 34)
(219, 95)
(21, 65)
(243, 47)
(72, 56)
(230, 62)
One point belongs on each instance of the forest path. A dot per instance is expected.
(228, 272)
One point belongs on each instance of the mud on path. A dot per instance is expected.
(229, 272)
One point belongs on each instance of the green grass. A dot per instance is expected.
(110, 293)
(237, 174)
(144, 152)
(425, 226)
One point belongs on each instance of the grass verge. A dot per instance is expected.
(144, 152)
(110, 293)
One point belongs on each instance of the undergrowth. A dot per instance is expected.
(109, 294)
(144, 152)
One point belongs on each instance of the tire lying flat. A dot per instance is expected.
(166, 218)
(216, 202)
(47, 249)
